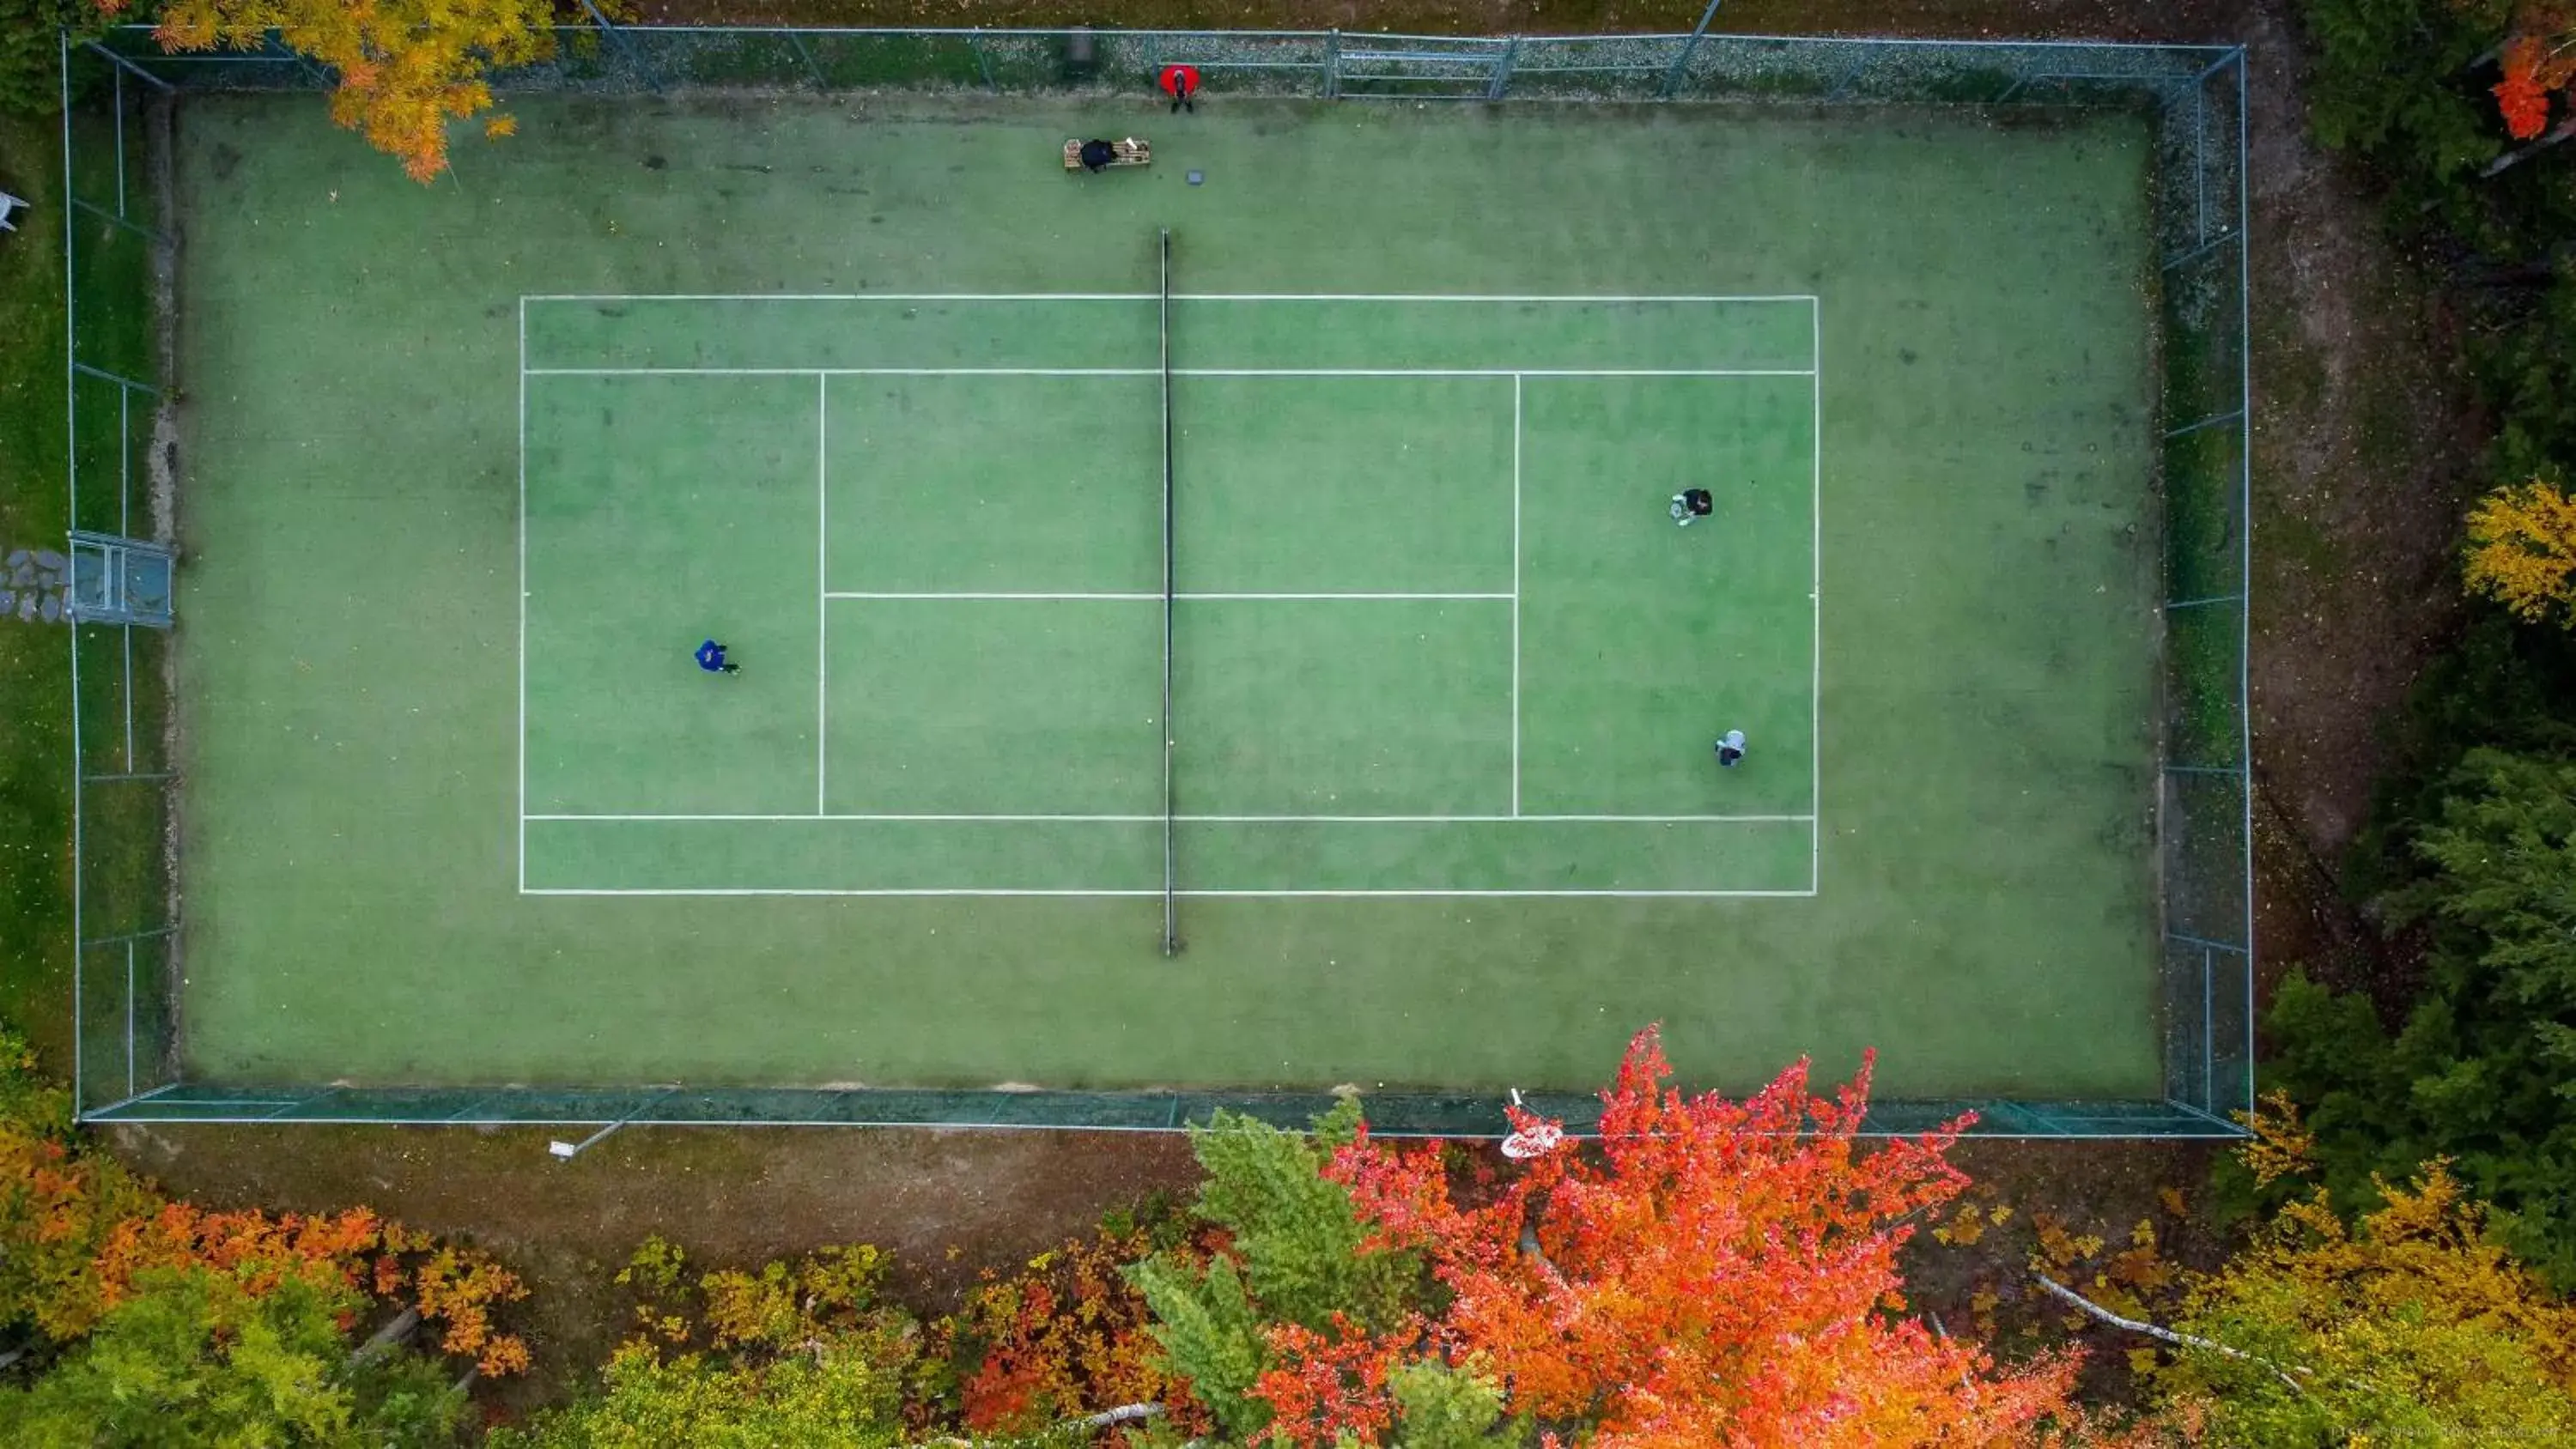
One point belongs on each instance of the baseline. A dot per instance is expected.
(698, 371)
(1004, 817)
(1267, 856)
(1624, 299)
(971, 596)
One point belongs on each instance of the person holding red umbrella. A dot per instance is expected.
(1181, 83)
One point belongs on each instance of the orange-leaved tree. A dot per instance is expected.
(452, 1288)
(406, 68)
(2522, 550)
(58, 1204)
(1061, 1338)
(1720, 1273)
(2537, 60)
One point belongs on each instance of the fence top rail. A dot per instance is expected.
(2212, 50)
(1371, 36)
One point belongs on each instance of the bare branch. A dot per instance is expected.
(1123, 1414)
(2163, 1335)
(391, 1334)
(2520, 154)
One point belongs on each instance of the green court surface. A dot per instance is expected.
(1433, 630)
(874, 394)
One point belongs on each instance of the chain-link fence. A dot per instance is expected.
(118, 92)
(117, 258)
(1315, 65)
(2205, 823)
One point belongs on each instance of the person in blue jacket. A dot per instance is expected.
(711, 658)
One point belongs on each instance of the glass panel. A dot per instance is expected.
(147, 586)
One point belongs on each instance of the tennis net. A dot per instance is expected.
(1171, 872)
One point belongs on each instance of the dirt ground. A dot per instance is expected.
(2362, 439)
(948, 1204)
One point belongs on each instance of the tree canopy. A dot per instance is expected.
(1719, 1273)
(2478, 1071)
(199, 1356)
(406, 68)
(2408, 1326)
(2522, 551)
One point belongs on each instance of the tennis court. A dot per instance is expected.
(1406, 707)
(1431, 631)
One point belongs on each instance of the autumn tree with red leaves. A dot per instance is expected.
(1063, 1337)
(2535, 68)
(1716, 1273)
(2536, 61)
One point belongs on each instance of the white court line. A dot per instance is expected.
(1561, 297)
(802, 891)
(1492, 372)
(892, 819)
(822, 586)
(1816, 595)
(1193, 894)
(1176, 372)
(846, 371)
(523, 594)
(1813, 373)
(840, 297)
(1010, 597)
(1555, 297)
(1516, 593)
(1156, 598)
(1196, 819)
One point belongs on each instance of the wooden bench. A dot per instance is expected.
(1130, 152)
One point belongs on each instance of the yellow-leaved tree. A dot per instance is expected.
(2403, 1326)
(2522, 550)
(407, 68)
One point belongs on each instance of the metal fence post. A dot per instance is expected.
(273, 45)
(1868, 53)
(1502, 77)
(798, 45)
(983, 66)
(625, 47)
(125, 64)
(1681, 62)
(1333, 65)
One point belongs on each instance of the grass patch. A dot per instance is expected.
(35, 682)
(2291, 539)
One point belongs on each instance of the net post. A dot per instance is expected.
(1171, 912)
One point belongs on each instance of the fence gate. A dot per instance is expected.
(1422, 67)
(119, 581)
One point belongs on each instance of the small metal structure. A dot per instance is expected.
(120, 581)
